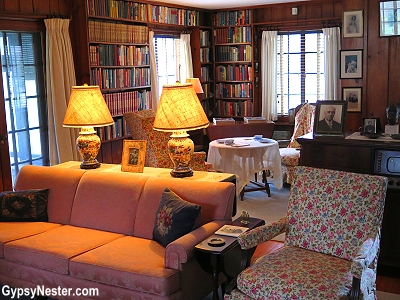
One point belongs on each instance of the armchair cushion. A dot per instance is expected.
(321, 276)
(175, 217)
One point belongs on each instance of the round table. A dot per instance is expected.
(245, 158)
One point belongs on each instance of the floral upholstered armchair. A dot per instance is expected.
(140, 125)
(303, 124)
(332, 240)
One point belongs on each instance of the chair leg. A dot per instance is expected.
(264, 178)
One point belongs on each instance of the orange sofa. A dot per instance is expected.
(99, 234)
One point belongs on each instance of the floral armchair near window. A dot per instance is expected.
(332, 240)
(303, 124)
(140, 125)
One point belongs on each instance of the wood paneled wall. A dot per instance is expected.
(33, 9)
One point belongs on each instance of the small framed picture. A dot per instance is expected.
(353, 24)
(330, 117)
(351, 64)
(133, 156)
(370, 125)
(353, 97)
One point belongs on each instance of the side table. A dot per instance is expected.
(229, 259)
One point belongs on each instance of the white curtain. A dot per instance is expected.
(60, 74)
(332, 50)
(155, 98)
(186, 70)
(269, 75)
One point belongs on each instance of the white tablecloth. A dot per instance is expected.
(245, 161)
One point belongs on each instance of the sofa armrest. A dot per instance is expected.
(181, 250)
(252, 238)
(365, 256)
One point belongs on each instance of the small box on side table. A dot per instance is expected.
(228, 258)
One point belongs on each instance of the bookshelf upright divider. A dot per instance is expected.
(234, 73)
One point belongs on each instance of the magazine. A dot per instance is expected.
(231, 230)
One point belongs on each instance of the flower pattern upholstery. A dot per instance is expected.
(140, 126)
(303, 124)
(332, 232)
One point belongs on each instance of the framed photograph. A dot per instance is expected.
(370, 125)
(353, 97)
(353, 24)
(351, 64)
(133, 156)
(330, 117)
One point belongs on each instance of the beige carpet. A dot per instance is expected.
(387, 296)
(259, 205)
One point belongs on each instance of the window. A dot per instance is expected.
(167, 50)
(300, 64)
(22, 70)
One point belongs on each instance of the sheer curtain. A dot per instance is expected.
(332, 50)
(60, 79)
(153, 72)
(186, 70)
(268, 75)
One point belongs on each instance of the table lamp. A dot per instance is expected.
(87, 109)
(179, 111)
(196, 85)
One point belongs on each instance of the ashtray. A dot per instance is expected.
(395, 136)
(216, 242)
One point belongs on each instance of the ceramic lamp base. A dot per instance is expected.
(88, 145)
(180, 149)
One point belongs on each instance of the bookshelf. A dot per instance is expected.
(114, 34)
(234, 60)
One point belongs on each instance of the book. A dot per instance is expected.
(254, 119)
(231, 230)
(217, 121)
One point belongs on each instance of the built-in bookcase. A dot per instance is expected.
(234, 73)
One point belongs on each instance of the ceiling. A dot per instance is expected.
(221, 4)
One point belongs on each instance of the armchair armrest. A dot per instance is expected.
(252, 238)
(181, 250)
(365, 256)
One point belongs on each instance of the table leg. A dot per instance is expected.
(214, 264)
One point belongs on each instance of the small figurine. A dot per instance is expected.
(392, 114)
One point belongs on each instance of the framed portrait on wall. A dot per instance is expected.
(330, 117)
(133, 156)
(351, 64)
(353, 24)
(353, 97)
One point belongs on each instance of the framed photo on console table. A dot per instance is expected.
(133, 156)
(330, 117)
(353, 97)
(351, 64)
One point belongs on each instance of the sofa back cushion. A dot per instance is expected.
(62, 184)
(108, 201)
(215, 198)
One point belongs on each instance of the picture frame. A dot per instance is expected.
(370, 125)
(333, 111)
(133, 156)
(351, 65)
(353, 96)
(353, 24)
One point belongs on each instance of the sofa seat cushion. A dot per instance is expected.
(51, 250)
(11, 231)
(129, 262)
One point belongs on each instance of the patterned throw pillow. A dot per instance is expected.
(24, 206)
(175, 217)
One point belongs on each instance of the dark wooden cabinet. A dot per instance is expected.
(358, 156)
